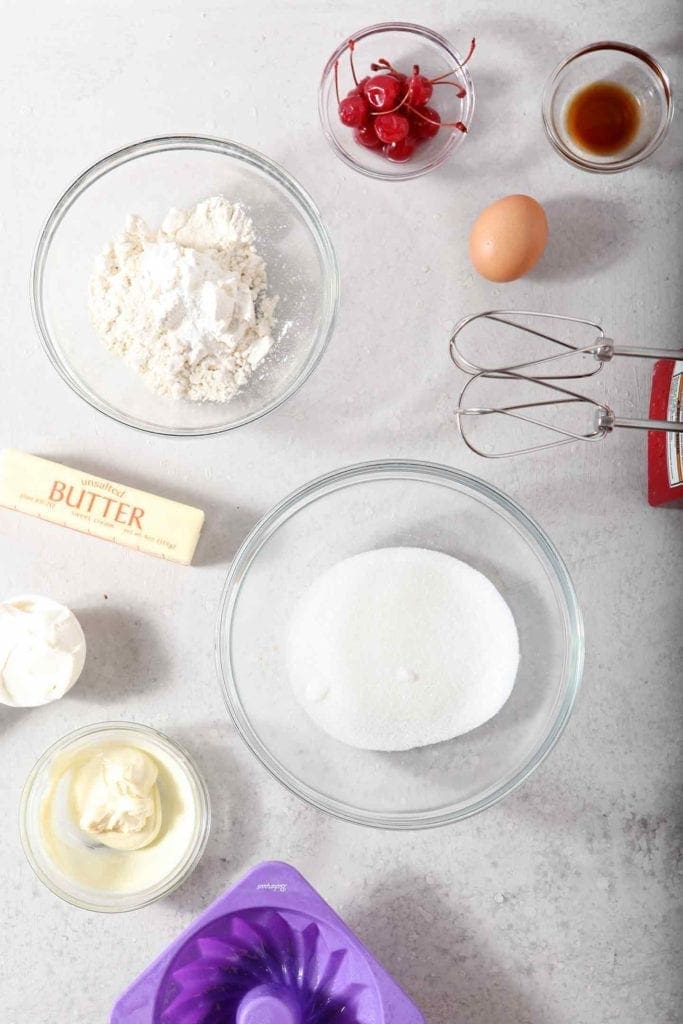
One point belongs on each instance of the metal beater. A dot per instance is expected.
(554, 399)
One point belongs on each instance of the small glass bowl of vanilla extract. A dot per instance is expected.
(607, 107)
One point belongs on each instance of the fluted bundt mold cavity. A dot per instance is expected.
(299, 970)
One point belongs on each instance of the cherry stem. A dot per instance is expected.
(414, 110)
(352, 47)
(336, 80)
(461, 92)
(376, 113)
(439, 124)
(384, 63)
(448, 74)
(469, 52)
(442, 78)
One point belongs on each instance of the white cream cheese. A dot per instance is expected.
(116, 799)
(42, 651)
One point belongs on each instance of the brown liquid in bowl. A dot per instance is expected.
(603, 118)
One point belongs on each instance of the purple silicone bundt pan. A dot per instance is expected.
(269, 951)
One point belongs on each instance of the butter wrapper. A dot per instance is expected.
(93, 505)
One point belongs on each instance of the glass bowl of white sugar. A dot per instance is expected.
(504, 620)
(184, 285)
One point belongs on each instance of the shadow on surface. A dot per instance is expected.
(9, 717)
(235, 817)
(584, 236)
(435, 955)
(122, 651)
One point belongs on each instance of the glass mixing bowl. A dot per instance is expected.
(403, 44)
(148, 178)
(381, 504)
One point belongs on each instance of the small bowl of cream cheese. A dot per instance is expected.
(114, 816)
(42, 651)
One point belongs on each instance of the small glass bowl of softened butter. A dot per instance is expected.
(114, 816)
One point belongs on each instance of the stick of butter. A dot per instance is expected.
(70, 497)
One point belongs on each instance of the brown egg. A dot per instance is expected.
(508, 238)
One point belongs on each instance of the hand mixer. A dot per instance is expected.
(554, 400)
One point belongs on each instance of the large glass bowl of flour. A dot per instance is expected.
(398, 504)
(148, 179)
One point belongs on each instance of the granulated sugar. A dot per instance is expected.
(402, 647)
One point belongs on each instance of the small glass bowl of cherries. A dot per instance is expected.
(396, 100)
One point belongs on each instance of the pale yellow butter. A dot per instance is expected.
(90, 504)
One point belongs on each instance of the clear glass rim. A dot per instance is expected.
(202, 143)
(614, 166)
(128, 901)
(455, 138)
(430, 472)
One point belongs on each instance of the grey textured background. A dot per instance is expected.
(559, 905)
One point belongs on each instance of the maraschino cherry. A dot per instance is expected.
(388, 110)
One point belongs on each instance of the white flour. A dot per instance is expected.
(186, 307)
(402, 647)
